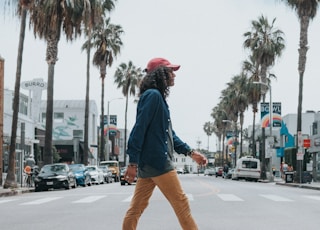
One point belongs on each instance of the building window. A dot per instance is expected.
(58, 117)
(78, 133)
(43, 117)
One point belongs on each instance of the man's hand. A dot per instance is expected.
(199, 158)
(130, 173)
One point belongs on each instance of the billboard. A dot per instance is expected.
(265, 115)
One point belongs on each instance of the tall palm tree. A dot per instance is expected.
(108, 43)
(23, 6)
(49, 19)
(127, 77)
(96, 17)
(266, 44)
(306, 11)
(251, 70)
(208, 128)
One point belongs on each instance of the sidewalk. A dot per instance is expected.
(15, 191)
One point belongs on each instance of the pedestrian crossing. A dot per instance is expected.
(89, 199)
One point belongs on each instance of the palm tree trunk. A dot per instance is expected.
(254, 151)
(125, 132)
(10, 181)
(86, 112)
(102, 157)
(304, 24)
(52, 52)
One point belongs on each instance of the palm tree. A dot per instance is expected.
(98, 11)
(108, 43)
(306, 11)
(127, 77)
(23, 6)
(251, 70)
(266, 44)
(49, 19)
(208, 128)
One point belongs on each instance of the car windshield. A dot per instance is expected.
(91, 168)
(77, 167)
(54, 168)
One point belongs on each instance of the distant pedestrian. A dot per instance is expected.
(225, 170)
(290, 168)
(151, 145)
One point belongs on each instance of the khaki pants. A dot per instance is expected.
(170, 186)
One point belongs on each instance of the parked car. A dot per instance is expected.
(123, 180)
(229, 174)
(83, 178)
(219, 171)
(107, 174)
(96, 174)
(114, 167)
(209, 172)
(55, 176)
(180, 171)
(247, 168)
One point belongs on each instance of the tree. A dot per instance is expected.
(208, 128)
(306, 11)
(106, 39)
(23, 6)
(98, 11)
(266, 44)
(127, 77)
(49, 19)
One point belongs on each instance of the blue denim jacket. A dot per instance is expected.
(147, 142)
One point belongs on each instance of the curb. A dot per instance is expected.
(299, 186)
(14, 192)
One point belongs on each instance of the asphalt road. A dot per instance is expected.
(216, 203)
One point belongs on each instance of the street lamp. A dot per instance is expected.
(108, 125)
(263, 133)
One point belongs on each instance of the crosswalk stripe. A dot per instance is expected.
(6, 201)
(190, 198)
(229, 197)
(89, 199)
(313, 197)
(41, 201)
(276, 198)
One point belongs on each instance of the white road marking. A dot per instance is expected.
(6, 201)
(313, 197)
(89, 199)
(41, 201)
(229, 197)
(276, 198)
(128, 199)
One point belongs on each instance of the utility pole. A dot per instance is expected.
(1, 115)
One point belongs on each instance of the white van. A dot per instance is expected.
(247, 168)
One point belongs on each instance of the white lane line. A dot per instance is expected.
(190, 197)
(129, 198)
(229, 197)
(313, 197)
(6, 201)
(89, 199)
(276, 198)
(41, 201)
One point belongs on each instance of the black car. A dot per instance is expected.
(123, 181)
(55, 176)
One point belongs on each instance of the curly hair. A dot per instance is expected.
(157, 79)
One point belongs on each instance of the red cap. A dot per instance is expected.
(156, 62)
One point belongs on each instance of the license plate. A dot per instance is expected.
(49, 183)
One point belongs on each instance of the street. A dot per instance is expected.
(216, 203)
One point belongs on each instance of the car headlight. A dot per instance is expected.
(61, 177)
(37, 179)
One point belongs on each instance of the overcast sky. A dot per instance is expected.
(205, 37)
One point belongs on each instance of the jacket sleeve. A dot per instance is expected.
(180, 146)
